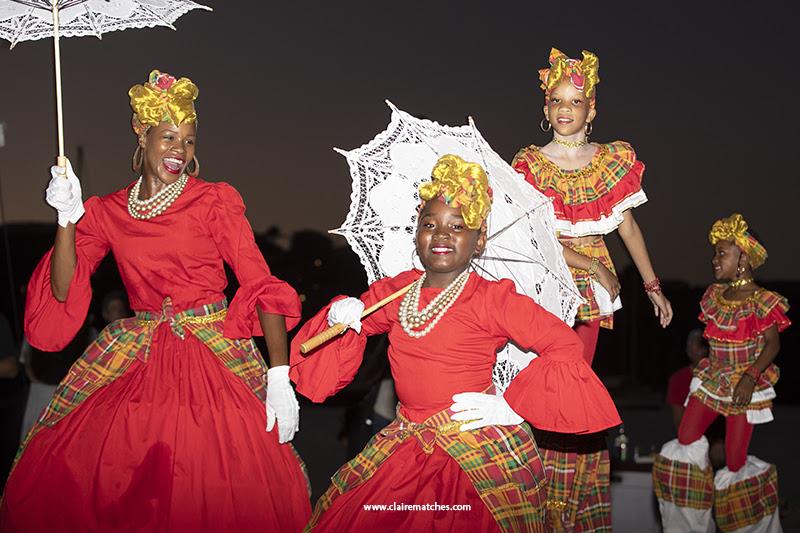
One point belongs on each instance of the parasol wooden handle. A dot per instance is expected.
(336, 329)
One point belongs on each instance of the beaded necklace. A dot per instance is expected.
(739, 283)
(570, 144)
(411, 317)
(156, 204)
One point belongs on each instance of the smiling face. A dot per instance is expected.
(444, 243)
(568, 109)
(727, 259)
(167, 150)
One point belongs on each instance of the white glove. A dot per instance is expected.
(483, 410)
(64, 194)
(282, 404)
(347, 312)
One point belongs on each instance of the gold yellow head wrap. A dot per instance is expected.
(734, 229)
(162, 99)
(458, 183)
(581, 73)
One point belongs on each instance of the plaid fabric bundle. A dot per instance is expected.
(590, 310)
(501, 461)
(684, 484)
(126, 340)
(578, 474)
(747, 502)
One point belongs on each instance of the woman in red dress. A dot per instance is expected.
(471, 465)
(160, 426)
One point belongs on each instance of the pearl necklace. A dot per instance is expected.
(410, 315)
(156, 204)
(570, 144)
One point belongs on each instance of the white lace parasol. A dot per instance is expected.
(521, 246)
(29, 20)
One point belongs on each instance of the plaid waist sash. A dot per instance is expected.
(502, 462)
(124, 341)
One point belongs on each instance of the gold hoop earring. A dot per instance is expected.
(587, 129)
(196, 171)
(542, 127)
(138, 159)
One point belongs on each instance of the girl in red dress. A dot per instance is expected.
(594, 188)
(742, 322)
(160, 426)
(457, 457)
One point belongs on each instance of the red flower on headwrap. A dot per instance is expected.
(161, 80)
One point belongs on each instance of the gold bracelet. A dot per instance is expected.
(593, 267)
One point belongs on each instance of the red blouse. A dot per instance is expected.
(557, 391)
(179, 254)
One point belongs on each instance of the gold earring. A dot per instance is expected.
(542, 126)
(587, 129)
(196, 171)
(138, 159)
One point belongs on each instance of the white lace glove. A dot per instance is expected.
(282, 404)
(483, 410)
(64, 194)
(348, 312)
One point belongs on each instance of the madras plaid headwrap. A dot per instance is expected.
(684, 484)
(747, 502)
(578, 476)
(590, 310)
(501, 461)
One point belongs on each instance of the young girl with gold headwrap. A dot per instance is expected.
(594, 188)
(742, 322)
(449, 447)
(160, 425)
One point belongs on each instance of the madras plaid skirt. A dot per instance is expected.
(502, 463)
(578, 473)
(747, 502)
(129, 339)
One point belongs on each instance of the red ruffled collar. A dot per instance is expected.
(742, 320)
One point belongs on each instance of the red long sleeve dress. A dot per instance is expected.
(160, 426)
(558, 391)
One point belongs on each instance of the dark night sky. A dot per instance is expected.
(707, 92)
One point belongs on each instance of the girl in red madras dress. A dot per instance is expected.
(160, 426)
(594, 187)
(449, 447)
(742, 323)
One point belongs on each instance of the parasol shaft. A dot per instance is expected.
(62, 161)
(336, 329)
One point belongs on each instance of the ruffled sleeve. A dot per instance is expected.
(329, 368)
(51, 325)
(590, 200)
(258, 288)
(557, 391)
(742, 321)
